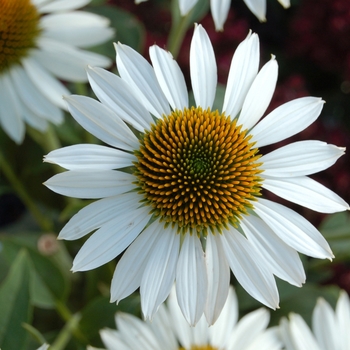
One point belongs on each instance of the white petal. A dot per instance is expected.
(10, 111)
(287, 120)
(102, 122)
(113, 340)
(342, 312)
(203, 68)
(87, 156)
(48, 85)
(111, 239)
(300, 158)
(258, 7)
(306, 192)
(284, 260)
(170, 77)
(221, 330)
(78, 28)
(301, 334)
(180, 326)
(162, 328)
(130, 268)
(324, 326)
(140, 76)
(33, 98)
(136, 333)
(284, 3)
(243, 70)
(218, 278)
(219, 11)
(98, 213)
(285, 334)
(249, 327)
(191, 279)
(249, 269)
(200, 333)
(159, 275)
(293, 229)
(66, 62)
(33, 119)
(259, 95)
(91, 184)
(186, 6)
(267, 340)
(61, 5)
(114, 92)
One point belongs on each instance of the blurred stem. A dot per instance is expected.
(44, 223)
(179, 26)
(48, 140)
(71, 327)
(64, 336)
(81, 89)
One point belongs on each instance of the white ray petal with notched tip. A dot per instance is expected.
(170, 77)
(293, 229)
(284, 260)
(243, 70)
(203, 68)
(191, 279)
(102, 122)
(131, 266)
(87, 156)
(259, 95)
(300, 158)
(287, 120)
(306, 192)
(249, 272)
(114, 92)
(218, 278)
(91, 184)
(159, 275)
(139, 74)
(98, 213)
(111, 239)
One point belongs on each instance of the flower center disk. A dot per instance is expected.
(198, 170)
(19, 28)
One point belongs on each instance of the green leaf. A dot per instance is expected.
(336, 226)
(47, 282)
(15, 304)
(99, 313)
(303, 300)
(128, 29)
(336, 229)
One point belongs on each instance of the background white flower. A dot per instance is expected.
(43, 41)
(220, 9)
(169, 329)
(191, 210)
(330, 328)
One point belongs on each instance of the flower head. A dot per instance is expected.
(330, 329)
(181, 185)
(42, 40)
(169, 330)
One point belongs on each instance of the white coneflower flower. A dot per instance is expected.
(330, 329)
(169, 330)
(39, 42)
(220, 9)
(184, 199)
